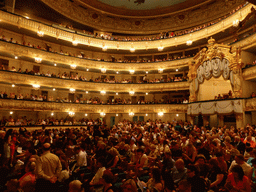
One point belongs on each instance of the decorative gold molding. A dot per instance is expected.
(17, 78)
(249, 73)
(20, 50)
(250, 104)
(126, 45)
(87, 108)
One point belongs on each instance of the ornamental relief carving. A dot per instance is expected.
(19, 50)
(167, 23)
(250, 104)
(17, 78)
(60, 107)
(249, 73)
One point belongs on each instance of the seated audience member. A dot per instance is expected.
(75, 186)
(239, 160)
(237, 181)
(197, 183)
(179, 171)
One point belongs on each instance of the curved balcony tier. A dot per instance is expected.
(9, 104)
(18, 78)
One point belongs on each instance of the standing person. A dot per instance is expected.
(48, 170)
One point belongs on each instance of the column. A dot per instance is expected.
(239, 120)
(221, 120)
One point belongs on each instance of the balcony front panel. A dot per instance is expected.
(8, 104)
(24, 79)
(20, 50)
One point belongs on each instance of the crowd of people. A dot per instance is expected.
(131, 156)
(99, 79)
(92, 100)
(163, 35)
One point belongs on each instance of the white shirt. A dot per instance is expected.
(81, 159)
(245, 166)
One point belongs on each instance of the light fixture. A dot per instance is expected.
(40, 33)
(72, 90)
(117, 72)
(86, 92)
(177, 69)
(102, 92)
(71, 114)
(160, 48)
(146, 114)
(52, 114)
(36, 86)
(177, 115)
(146, 72)
(160, 114)
(131, 92)
(160, 70)
(131, 114)
(55, 64)
(103, 70)
(102, 114)
(75, 43)
(27, 17)
(38, 60)
(104, 48)
(16, 57)
(146, 93)
(53, 89)
(73, 66)
(131, 71)
(86, 114)
(13, 85)
(116, 93)
(11, 112)
(236, 23)
(87, 69)
(132, 50)
(117, 114)
(189, 42)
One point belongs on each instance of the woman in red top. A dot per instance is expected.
(237, 181)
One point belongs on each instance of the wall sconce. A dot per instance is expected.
(53, 89)
(132, 50)
(146, 93)
(160, 48)
(177, 115)
(161, 114)
(16, 57)
(131, 114)
(117, 114)
(36, 87)
(189, 42)
(38, 60)
(131, 71)
(236, 23)
(86, 114)
(177, 69)
(71, 114)
(52, 114)
(146, 114)
(116, 93)
(102, 114)
(11, 112)
(72, 90)
(104, 48)
(131, 93)
(102, 92)
(40, 33)
(73, 66)
(160, 70)
(103, 70)
(13, 85)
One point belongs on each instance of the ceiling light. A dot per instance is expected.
(177, 69)
(117, 114)
(27, 17)
(87, 69)
(177, 115)
(11, 112)
(146, 72)
(131, 114)
(16, 57)
(131, 71)
(13, 85)
(117, 72)
(146, 114)
(104, 48)
(53, 89)
(52, 114)
(86, 114)
(86, 92)
(55, 64)
(131, 92)
(116, 93)
(102, 114)
(146, 93)
(102, 92)
(160, 113)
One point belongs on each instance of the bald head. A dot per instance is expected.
(46, 146)
(75, 186)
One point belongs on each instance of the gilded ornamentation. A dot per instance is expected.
(60, 107)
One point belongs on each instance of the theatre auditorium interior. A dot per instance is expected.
(102, 74)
